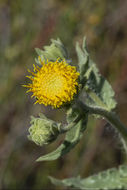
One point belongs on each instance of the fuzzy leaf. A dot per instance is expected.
(98, 90)
(52, 52)
(72, 138)
(109, 179)
(59, 45)
(83, 59)
(72, 114)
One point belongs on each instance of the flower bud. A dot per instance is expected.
(43, 131)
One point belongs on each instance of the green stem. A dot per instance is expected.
(109, 115)
(64, 129)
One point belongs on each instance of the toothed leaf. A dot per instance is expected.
(98, 90)
(109, 179)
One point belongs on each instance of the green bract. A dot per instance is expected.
(52, 52)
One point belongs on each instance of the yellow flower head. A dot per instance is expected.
(54, 83)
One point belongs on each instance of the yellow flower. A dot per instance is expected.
(55, 83)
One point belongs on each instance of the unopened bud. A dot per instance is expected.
(43, 131)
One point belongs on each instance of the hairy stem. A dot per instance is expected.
(109, 115)
(64, 129)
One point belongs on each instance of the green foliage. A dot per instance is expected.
(52, 52)
(78, 125)
(71, 139)
(100, 95)
(109, 179)
(29, 24)
(72, 136)
(98, 90)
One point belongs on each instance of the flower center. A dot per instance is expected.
(53, 85)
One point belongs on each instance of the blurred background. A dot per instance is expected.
(25, 25)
